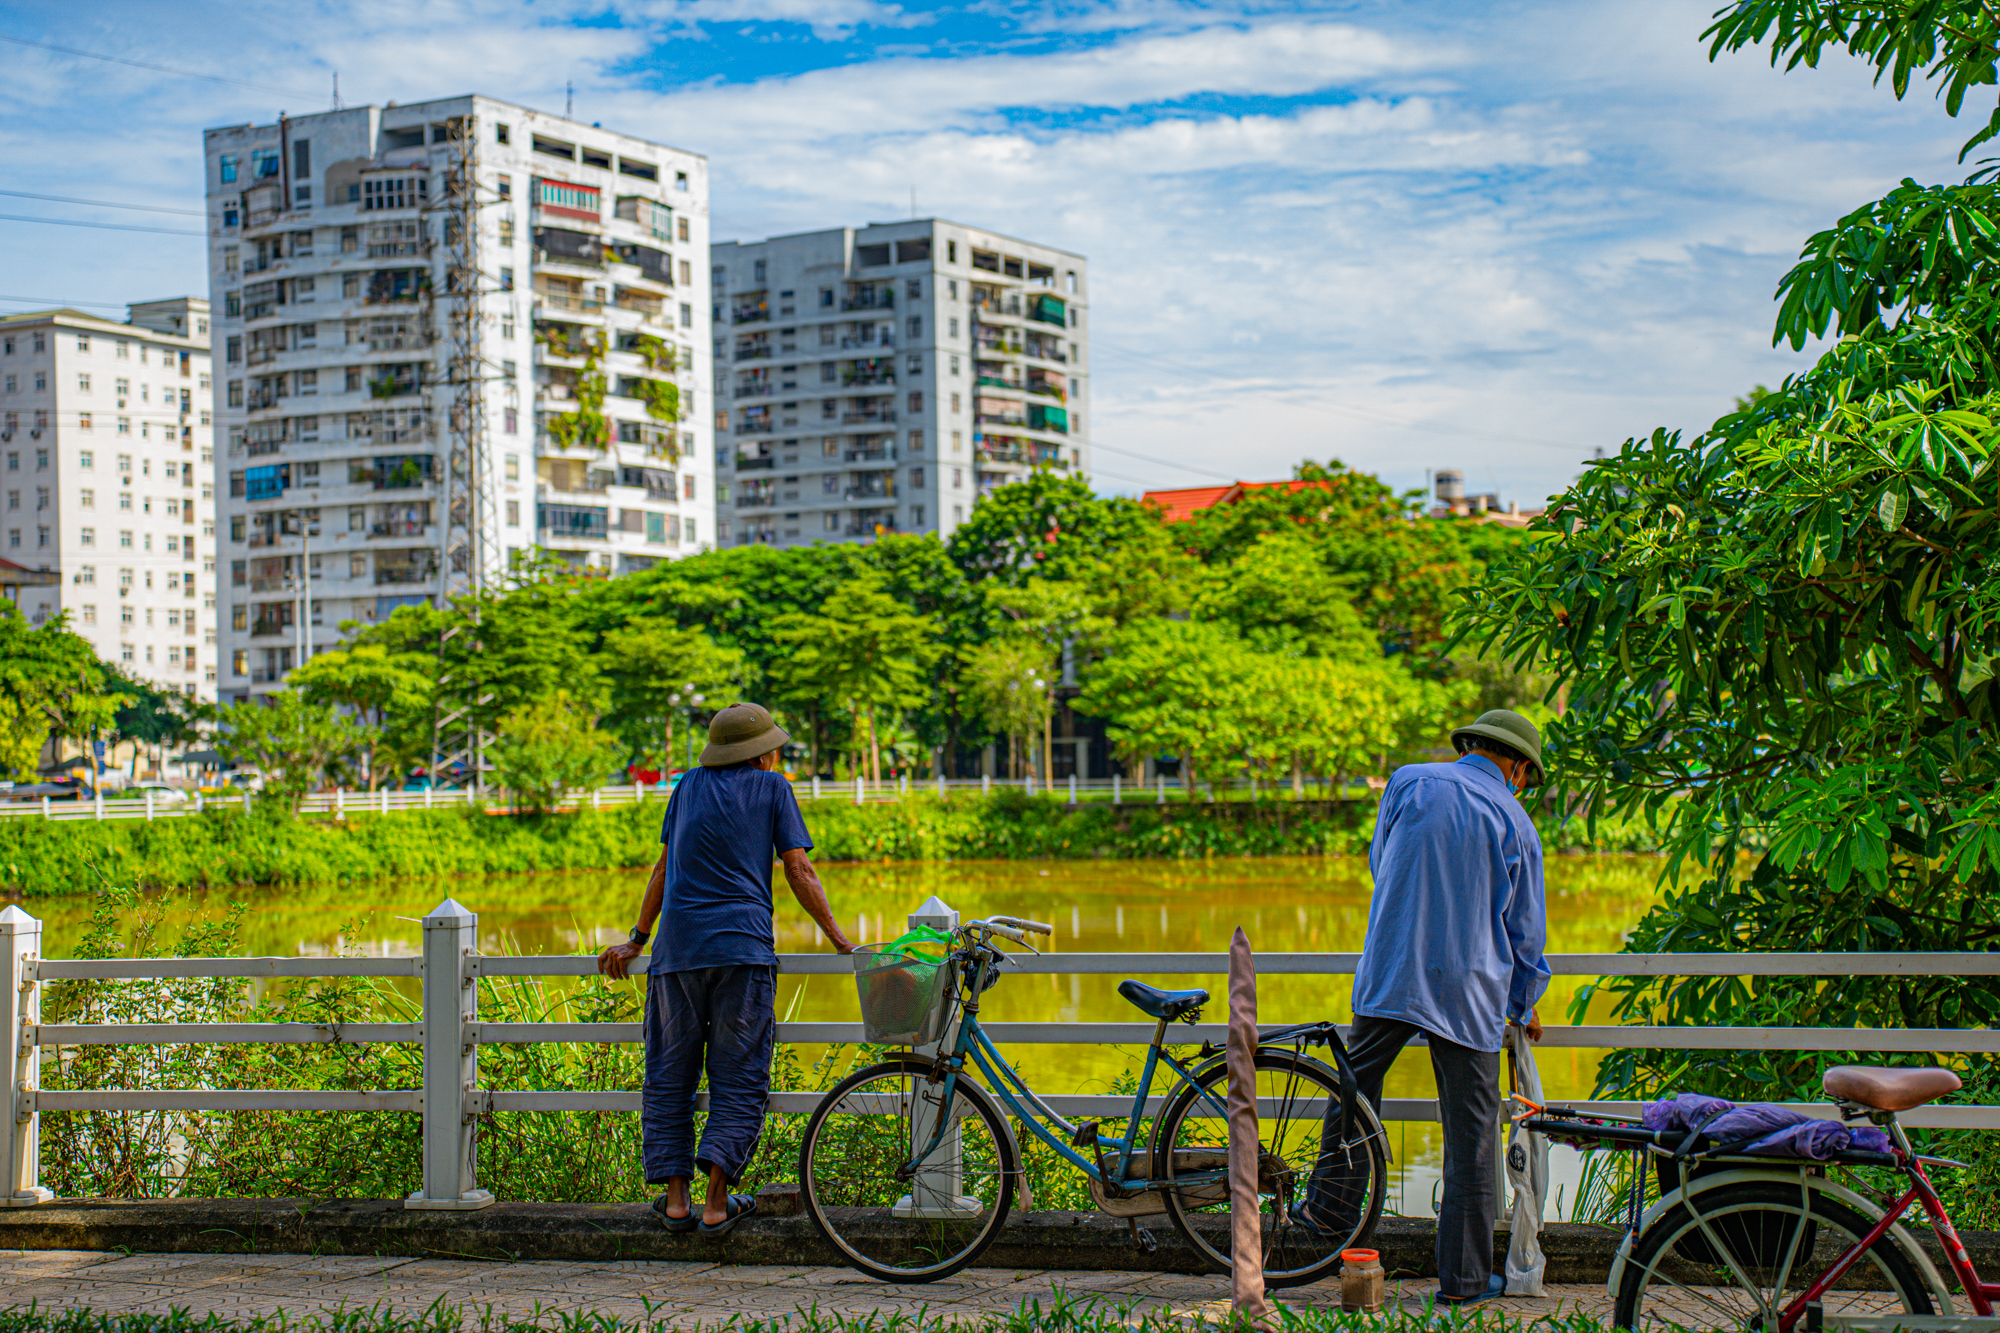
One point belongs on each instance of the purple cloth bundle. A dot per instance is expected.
(1760, 1129)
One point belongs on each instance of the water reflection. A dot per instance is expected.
(1303, 904)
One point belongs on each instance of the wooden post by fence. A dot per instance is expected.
(451, 1063)
(20, 1064)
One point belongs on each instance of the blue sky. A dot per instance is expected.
(1408, 236)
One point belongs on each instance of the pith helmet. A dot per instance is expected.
(740, 732)
(1509, 728)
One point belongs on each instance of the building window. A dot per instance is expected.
(506, 279)
(687, 315)
(227, 167)
(87, 498)
(82, 381)
(917, 477)
(86, 536)
(513, 465)
(917, 400)
(687, 481)
(511, 420)
(83, 421)
(916, 441)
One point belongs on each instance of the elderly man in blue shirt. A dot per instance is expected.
(1454, 953)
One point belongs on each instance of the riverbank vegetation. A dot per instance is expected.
(1781, 635)
(225, 847)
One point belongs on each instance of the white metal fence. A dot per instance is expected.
(340, 803)
(452, 1102)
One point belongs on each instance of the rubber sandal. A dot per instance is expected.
(740, 1207)
(677, 1224)
(1495, 1286)
(1302, 1218)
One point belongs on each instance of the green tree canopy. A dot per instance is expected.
(51, 686)
(656, 672)
(865, 653)
(377, 684)
(549, 746)
(289, 740)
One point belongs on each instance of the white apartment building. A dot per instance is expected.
(107, 466)
(427, 371)
(884, 378)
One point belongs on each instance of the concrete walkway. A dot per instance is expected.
(681, 1294)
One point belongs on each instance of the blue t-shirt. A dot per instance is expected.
(724, 827)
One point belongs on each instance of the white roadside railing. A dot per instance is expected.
(451, 1033)
(340, 803)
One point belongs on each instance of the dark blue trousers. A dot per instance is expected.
(724, 1019)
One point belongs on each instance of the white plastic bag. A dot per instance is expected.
(1527, 1175)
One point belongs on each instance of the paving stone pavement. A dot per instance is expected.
(669, 1295)
(674, 1295)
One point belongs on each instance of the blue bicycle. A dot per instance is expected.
(908, 1167)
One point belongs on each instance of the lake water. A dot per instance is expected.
(1284, 904)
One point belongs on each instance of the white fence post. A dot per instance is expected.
(97, 798)
(1163, 788)
(1117, 789)
(383, 792)
(815, 786)
(859, 794)
(985, 784)
(340, 802)
(905, 785)
(149, 804)
(451, 1063)
(246, 800)
(20, 1063)
(1072, 789)
(940, 784)
(45, 806)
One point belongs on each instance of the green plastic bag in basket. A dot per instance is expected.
(906, 994)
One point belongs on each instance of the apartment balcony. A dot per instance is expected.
(870, 454)
(874, 299)
(885, 340)
(877, 491)
(762, 352)
(756, 501)
(885, 415)
(867, 525)
(753, 391)
(404, 574)
(399, 528)
(754, 464)
(1015, 419)
(566, 301)
(853, 380)
(996, 382)
(756, 428)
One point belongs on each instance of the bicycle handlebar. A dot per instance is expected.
(1021, 923)
(1007, 931)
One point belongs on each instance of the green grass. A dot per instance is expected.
(1059, 1316)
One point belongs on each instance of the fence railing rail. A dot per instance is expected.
(451, 1032)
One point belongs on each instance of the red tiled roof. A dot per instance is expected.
(1179, 505)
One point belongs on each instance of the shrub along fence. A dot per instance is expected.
(450, 1104)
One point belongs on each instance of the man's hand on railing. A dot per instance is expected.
(615, 961)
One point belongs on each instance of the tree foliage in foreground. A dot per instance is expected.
(1779, 638)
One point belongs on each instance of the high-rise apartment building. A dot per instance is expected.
(883, 378)
(107, 481)
(451, 332)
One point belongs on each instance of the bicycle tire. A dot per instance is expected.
(1744, 1217)
(854, 1215)
(1294, 1256)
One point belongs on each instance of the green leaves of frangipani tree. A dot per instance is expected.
(290, 740)
(1778, 625)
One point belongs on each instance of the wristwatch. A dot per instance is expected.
(638, 936)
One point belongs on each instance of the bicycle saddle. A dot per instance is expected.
(1888, 1089)
(1162, 1003)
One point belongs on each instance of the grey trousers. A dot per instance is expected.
(1468, 1083)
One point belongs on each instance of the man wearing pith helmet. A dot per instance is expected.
(1453, 952)
(711, 985)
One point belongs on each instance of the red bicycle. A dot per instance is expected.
(1773, 1245)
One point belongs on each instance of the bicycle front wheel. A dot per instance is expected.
(1736, 1256)
(1303, 1158)
(856, 1181)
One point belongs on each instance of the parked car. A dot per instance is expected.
(162, 794)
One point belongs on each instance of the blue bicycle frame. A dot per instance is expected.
(1007, 1084)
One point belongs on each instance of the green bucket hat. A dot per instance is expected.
(1509, 728)
(740, 732)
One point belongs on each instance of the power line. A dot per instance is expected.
(99, 226)
(105, 203)
(140, 64)
(1148, 458)
(1370, 413)
(57, 300)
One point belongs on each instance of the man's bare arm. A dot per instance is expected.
(614, 961)
(799, 873)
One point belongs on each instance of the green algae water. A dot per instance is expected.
(1283, 904)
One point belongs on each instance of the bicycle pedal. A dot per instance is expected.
(1085, 1135)
(1144, 1241)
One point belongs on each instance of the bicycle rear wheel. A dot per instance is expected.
(886, 1221)
(1301, 1153)
(1764, 1244)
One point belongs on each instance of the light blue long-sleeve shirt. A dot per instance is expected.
(1458, 921)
